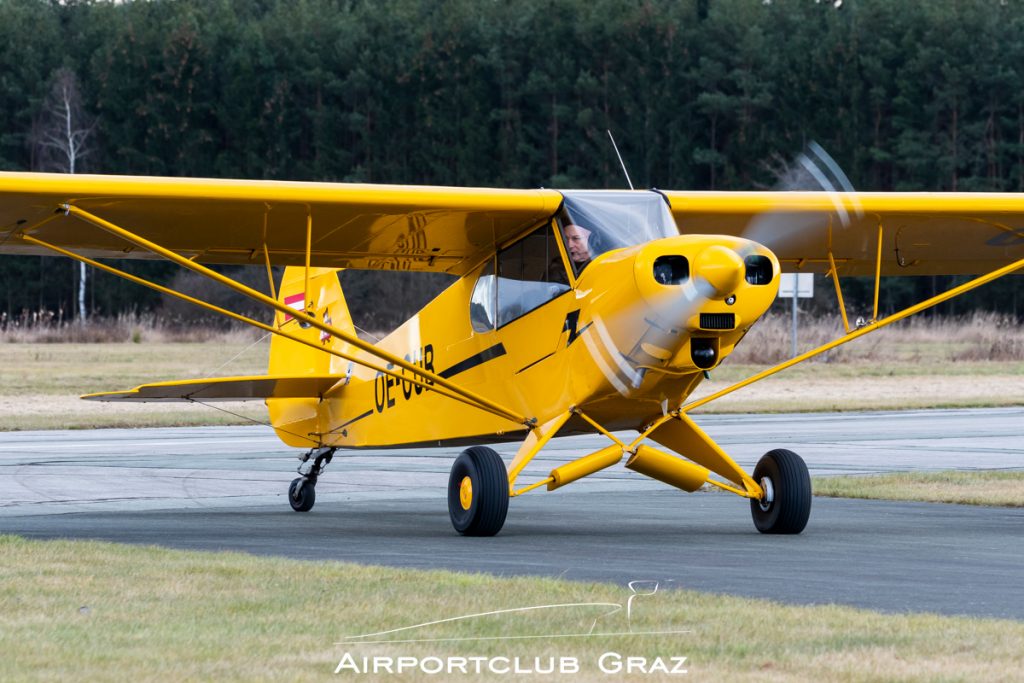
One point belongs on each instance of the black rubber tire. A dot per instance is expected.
(791, 507)
(489, 479)
(301, 495)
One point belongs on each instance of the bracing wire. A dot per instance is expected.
(211, 373)
(252, 419)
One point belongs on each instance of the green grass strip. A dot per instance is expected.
(997, 488)
(76, 610)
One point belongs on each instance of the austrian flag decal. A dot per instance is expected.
(295, 301)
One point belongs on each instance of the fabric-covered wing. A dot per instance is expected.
(250, 388)
(922, 233)
(379, 227)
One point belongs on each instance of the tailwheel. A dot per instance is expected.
(302, 494)
(786, 505)
(478, 492)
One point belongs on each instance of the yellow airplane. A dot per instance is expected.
(574, 312)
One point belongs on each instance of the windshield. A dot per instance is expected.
(593, 222)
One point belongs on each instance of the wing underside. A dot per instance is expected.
(377, 227)
(445, 229)
(952, 233)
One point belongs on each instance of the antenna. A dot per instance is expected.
(616, 148)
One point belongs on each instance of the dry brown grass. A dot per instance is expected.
(40, 383)
(921, 364)
(999, 488)
(978, 337)
(35, 412)
(918, 340)
(99, 611)
(124, 328)
(976, 361)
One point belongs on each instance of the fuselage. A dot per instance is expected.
(624, 339)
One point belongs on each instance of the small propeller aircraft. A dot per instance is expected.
(573, 312)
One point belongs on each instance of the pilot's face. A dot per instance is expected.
(577, 241)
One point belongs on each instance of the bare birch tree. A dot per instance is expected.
(62, 140)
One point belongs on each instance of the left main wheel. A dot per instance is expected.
(478, 492)
(302, 494)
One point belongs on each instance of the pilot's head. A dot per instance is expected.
(577, 242)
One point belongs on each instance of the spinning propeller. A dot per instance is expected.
(710, 275)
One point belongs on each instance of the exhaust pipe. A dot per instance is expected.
(667, 468)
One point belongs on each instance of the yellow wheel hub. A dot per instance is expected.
(466, 493)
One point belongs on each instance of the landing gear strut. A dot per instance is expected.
(302, 492)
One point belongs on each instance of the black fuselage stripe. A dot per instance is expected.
(487, 354)
(354, 419)
(585, 328)
(535, 362)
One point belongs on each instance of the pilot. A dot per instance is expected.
(577, 243)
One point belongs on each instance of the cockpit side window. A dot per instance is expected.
(484, 301)
(530, 273)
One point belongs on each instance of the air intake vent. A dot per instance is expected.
(759, 269)
(717, 321)
(671, 270)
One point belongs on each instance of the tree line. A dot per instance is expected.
(701, 94)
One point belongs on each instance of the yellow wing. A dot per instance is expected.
(380, 227)
(921, 233)
(391, 227)
(249, 388)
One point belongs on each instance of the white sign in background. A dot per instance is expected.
(803, 283)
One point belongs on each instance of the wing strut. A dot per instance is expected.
(426, 378)
(249, 321)
(833, 272)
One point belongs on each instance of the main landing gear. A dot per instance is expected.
(302, 492)
(786, 505)
(478, 492)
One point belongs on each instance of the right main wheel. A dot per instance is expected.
(478, 492)
(787, 485)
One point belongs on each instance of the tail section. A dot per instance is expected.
(325, 301)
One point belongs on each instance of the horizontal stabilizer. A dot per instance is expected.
(252, 388)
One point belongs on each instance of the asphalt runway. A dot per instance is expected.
(224, 489)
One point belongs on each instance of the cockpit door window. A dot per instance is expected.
(531, 273)
(484, 301)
